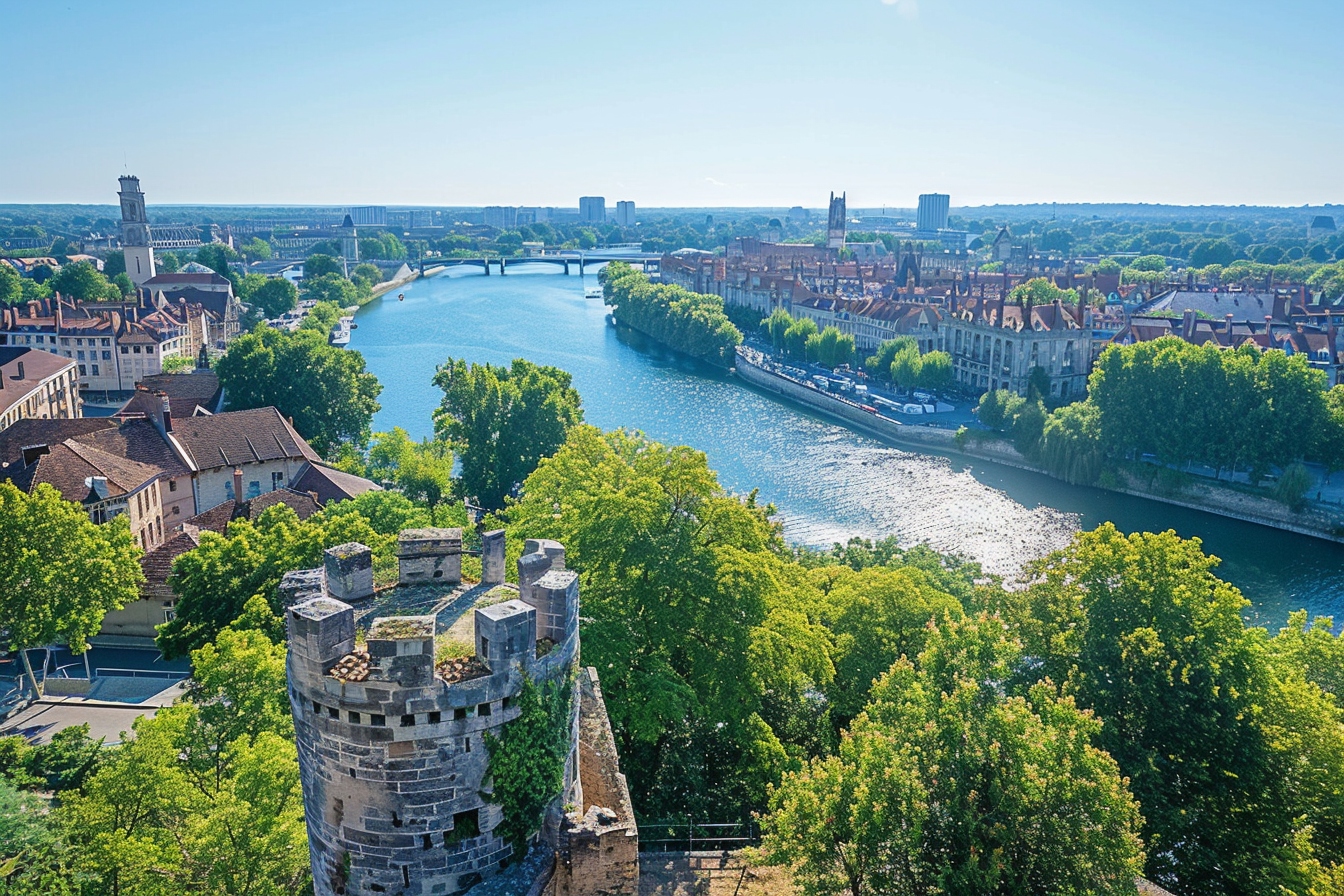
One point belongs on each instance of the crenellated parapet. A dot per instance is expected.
(391, 738)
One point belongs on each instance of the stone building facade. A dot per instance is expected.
(392, 744)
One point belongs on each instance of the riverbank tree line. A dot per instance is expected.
(689, 322)
(902, 722)
(1240, 411)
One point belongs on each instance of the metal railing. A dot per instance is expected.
(694, 836)
(165, 674)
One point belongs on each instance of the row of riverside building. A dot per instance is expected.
(994, 341)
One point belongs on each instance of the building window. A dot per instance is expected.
(253, 489)
(277, 480)
(125, 350)
(135, 349)
(82, 371)
(106, 343)
(408, 721)
(79, 355)
(95, 370)
(107, 356)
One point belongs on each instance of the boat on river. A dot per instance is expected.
(592, 292)
(340, 334)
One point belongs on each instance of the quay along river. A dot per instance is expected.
(828, 483)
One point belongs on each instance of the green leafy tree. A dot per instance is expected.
(688, 611)
(334, 400)
(798, 336)
(123, 284)
(946, 785)
(422, 470)
(1070, 444)
(1029, 428)
(59, 572)
(11, 285)
(216, 256)
(368, 272)
(906, 366)
(114, 264)
(879, 363)
(81, 280)
(692, 323)
(1145, 635)
(167, 262)
(256, 249)
(215, 581)
(332, 288)
(275, 296)
(502, 421)
(32, 857)
(205, 796)
(998, 408)
(319, 265)
(935, 371)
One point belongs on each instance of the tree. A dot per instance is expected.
(31, 853)
(276, 296)
(331, 288)
(370, 272)
(114, 264)
(81, 280)
(879, 363)
(215, 581)
(1213, 252)
(1149, 639)
(334, 399)
(935, 371)
(318, 265)
(256, 249)
(123, 284)
(502, 421)
(167, 263)
(688, 612)
(905, 367)
(1071, 443)
(947, 785)
(60, 573)
(692, 323)
(216, 256)
(1029, 428)
(11, 285)
(205, 796)
(797, 337)
(998, 408)
(423, 471)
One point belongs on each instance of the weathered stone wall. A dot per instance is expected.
(394, 766)
(429, 556)
(349, 570)
(598, 852)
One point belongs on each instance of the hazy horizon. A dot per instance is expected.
(701, 105)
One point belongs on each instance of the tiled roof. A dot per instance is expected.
(139, 440)
(37, 366)
(217, 518)
(331, 484)
(186, 391)
(68, 466)
(25, 433)
(166, 282)
(240, 437)
(157, 565)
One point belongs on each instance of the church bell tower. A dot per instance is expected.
(135, 244)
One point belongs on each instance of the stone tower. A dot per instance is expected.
(835, 223)
(135, 244)
(349, 244)
(396, 779)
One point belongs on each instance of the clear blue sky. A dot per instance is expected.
(692, 103)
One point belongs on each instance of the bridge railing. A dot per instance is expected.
(696, 836)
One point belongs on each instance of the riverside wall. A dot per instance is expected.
(1315, 521)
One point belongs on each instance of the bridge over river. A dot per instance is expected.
(564, 261)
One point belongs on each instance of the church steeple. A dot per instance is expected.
(135, 236)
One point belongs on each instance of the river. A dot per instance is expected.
(827, 482)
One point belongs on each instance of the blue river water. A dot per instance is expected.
(828, 483)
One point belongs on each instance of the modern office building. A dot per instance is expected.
(625, 213)
(369, 215)
(931, 216)
(592, 209)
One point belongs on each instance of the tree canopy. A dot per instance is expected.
(324, 389)
(502, 421)
(60, 573)
(274, 297)
(689, 322)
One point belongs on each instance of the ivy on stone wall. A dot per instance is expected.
(527, 762)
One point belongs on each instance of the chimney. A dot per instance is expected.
(1229, 328)
(237, 487)
(59, 318)
(20, 376)
(1187, 324)
(167, 413)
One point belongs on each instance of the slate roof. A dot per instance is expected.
(1243, 306)
(137, 439)
(331, 484)
(186, 391)
(240, 437)
(217, 518)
